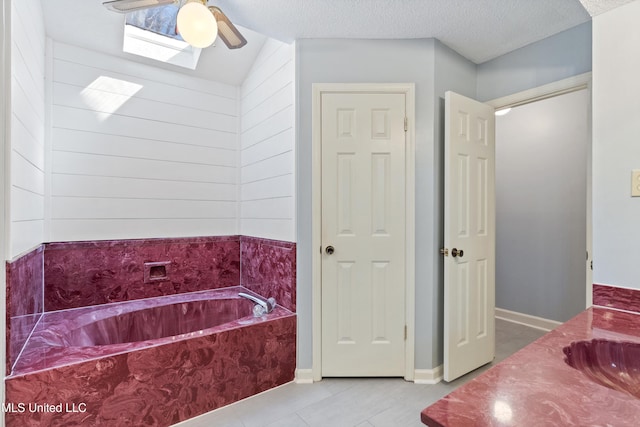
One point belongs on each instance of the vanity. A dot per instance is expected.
(586, 372)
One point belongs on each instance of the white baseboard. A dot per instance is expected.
(304, 376)
(435, 375)
(527, 320)
(428, 376)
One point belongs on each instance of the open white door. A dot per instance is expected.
(469, 237)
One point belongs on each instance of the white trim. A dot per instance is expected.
(589, 216)
(409, 90)
(239, 227)
(5, 111)
(428, 376)
(294, 148)
(48, 141)
(316, 236)
(410, 233)
(527, 320)
(560, 87)
(6, 128)
(303, 376)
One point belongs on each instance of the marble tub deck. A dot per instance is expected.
(47, 349)
(536, 387)
(161, 382)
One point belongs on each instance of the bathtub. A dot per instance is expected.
(150, 362)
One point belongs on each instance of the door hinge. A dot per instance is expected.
(406, 124)
(405, 332)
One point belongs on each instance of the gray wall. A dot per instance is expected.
(616, 148)
(541, 166)
(555, 58)
(358, 61)
(383, 61)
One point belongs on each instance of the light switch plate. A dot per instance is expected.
(635, 183)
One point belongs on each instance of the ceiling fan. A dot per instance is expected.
(197, 23)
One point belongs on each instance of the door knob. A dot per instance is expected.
(455, 252)
(329, 250)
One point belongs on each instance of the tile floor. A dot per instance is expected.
(353, 402)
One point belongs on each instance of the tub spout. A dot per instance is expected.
(262, 306)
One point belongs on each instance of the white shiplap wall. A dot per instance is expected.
(137, 151)
(267, 138)
(27, 124)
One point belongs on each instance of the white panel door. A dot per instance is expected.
(363, 221)
(469, 262)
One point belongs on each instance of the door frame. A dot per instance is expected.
(318, 89)
(561, 87)
(5, 173)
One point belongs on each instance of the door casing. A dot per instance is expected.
(316, 241)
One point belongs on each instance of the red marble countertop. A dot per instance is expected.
(535, 387)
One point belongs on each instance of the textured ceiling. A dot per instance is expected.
(596, 7)
(477, 29)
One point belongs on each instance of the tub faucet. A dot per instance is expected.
(262, 306)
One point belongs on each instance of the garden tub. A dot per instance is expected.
(154, 362)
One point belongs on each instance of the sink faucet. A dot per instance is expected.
(262, 306)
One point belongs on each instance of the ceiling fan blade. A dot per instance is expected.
(126, 6)
(227, 31)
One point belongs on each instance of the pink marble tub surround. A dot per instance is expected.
(81, 274)
(268, 267)
(536, 387)
(156, 382)
(24, 278)
(616, 297)
(57, 340)
(157, 322)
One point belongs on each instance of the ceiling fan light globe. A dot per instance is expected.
(197, 25)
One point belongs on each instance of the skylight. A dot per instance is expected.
(152, 33)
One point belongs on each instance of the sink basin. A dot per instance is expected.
(613, 364)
